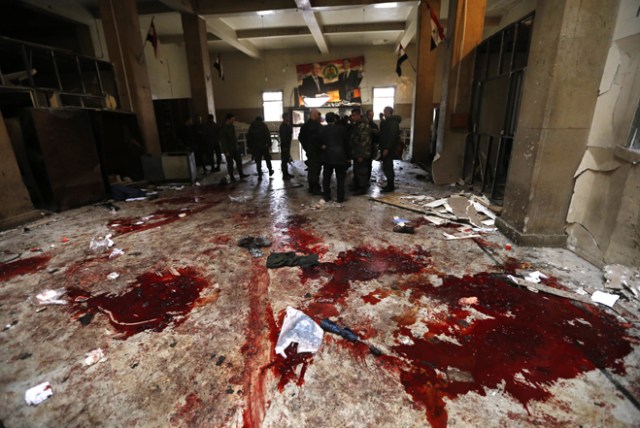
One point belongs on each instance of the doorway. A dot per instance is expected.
(500, 64)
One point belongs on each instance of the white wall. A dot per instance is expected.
(246, 78)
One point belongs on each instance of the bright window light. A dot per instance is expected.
(385, 5)
(272, 106)
(383, 97)
(265, 12)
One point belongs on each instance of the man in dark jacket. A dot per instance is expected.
(360, 146)
(212, 143)
(309, 139)
(389, 139)
(230, 146)
(375, 134)
(199, 148)
(259, 140)
(333, 155)
(286, 135)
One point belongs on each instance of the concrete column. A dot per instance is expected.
(422, 116)
(569, 47)
(124, 42)
(199, 64)
(469, 16)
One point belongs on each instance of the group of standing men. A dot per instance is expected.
(335, 145)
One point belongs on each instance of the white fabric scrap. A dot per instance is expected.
(436, 204)
(605, 298)
(95, 356)
(113, 275)
(51, 297)
(535, 277)
(452, 237)
(435, 220)
(37, 394)
(299, 328)
(116, 252)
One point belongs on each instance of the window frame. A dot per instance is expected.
(265, 102)
(373, 98)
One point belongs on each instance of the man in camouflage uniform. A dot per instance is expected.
(360, 146)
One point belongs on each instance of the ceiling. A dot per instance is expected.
(254, 26)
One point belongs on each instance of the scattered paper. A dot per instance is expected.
(299, 328)
(453, 237)
(37, 394)
(607, 299)
(95, 356)
(51, 297)
(113, 276)
(535, 277)
(116, 252)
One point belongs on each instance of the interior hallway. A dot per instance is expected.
(203, 354)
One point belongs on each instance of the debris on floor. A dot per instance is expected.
(253, 244)
(116, 252)
(38, 394)
(301, 329)
(607, 299)
(624, 279)
(241, 199)
(290, 259)
(347, 333)
(100, 244)
(95, 356)
(51, 297)
(113, 276)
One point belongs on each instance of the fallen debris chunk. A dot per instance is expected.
(51, 297)
(37, 394)
(100, 244)
(534, 277)
(240, 198)
(436, 203)
(95, 356)
(468, 301)
(438, 221)
(113, 276)
(116, 252)
(404, 228)
(607, 299)
(301, 329)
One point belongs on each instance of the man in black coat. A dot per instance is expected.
(348, 82)
(286, 135)
(309, 139)
(313, 84)
(333, 155)
(212, 140)
(259, 140)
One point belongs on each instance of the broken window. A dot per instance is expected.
(634, 135)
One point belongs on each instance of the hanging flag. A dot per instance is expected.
(402, 57)
(437, 31)
(218, 66)
(152, 36)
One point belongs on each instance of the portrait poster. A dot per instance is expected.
(334, 83)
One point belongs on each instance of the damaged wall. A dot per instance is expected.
(603, 222)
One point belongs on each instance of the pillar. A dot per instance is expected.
(198, 63)
(422, 115)
(569, 46)
(125, 43)
(466, 19)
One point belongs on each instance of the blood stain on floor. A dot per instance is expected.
(23, 266)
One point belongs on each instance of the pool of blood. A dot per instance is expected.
(359, 264)
(23, 266)
(299, 237)
(285, 368)
(154, 302)
(529, 342)
(159, 218)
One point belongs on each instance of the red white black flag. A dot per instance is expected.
(152, 36)
(402, 57)
(218, 66)
(437, 30)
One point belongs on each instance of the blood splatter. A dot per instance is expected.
(298, 236)
(159, 218)
(285, 368)
(526, 341)
(154, 302)
(187, 413)
(180, 200)
(23, 266)
(359, 264)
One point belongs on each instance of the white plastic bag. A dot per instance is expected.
(38, 394)
(299, 328)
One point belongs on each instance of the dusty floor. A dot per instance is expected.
(189, 326)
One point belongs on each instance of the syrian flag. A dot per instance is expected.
(152, 36)
(437, 31)
(402, 57)
(218, 66)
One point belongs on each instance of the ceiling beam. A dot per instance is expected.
(304, 7)
(220, 29)
(185, 6)
(259, 33)
(217, 7)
